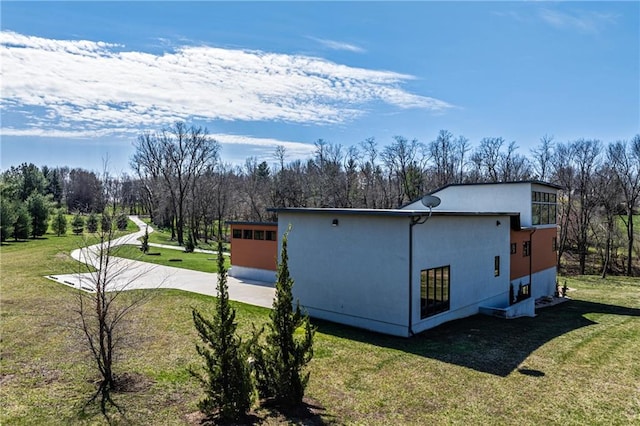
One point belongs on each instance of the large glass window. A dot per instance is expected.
(434, 291)
(543, 208)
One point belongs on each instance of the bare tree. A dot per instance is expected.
(543, 158)
(625, 161)
(587, 161)
(178, 155)
(104, 305)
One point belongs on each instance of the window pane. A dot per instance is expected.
(237, 233)
(552, 198)
(544, 214)
(258, 235)
(271, 236)
(247, 234)
(552, 213)
(535, 212)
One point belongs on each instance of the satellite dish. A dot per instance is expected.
(430, 201)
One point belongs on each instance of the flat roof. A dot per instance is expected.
(386, 212)
(239, 222)
(536, 182)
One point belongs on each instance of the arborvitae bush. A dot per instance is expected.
(279, 362)
(226, 378)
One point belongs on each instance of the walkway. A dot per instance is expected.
(126, 274)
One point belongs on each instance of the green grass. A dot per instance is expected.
(575, 363)
(196, 261)
(163, 236)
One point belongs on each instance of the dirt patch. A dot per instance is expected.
(132, 382)
(5, 378)
(308, 413)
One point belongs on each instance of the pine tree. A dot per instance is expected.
(227, 376)
(59, 223)
(289, 344)
(122, 221)
(7, 219)
(38, 207)
(77, 224)
(22, 224)
(144, 246)
(92, 223)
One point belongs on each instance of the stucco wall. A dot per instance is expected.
(354, 273)
(543, 283)
(468, 245)
(250, 253)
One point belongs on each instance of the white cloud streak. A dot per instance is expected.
(338, 45)
(85, 86)
(585, 22)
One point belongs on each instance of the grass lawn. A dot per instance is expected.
(163, 236)
(196, 261)
(575, 363)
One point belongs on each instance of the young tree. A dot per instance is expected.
(226, 378)
(121, 221)
(103, 312)
(92, 223)
(59, 223)
(144, 246)
(38, 207)
(77, 224)
(279, 364)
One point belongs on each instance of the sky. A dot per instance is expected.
(80, 81)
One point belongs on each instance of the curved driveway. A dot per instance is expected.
(126, 274)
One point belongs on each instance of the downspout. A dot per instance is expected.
(415, 220)
(531, 261)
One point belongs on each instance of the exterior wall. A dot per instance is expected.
(542, 258)
(511, 197)
(253, 274)
(543, 283)
(254, 254)
(355, 273)
(468, 245)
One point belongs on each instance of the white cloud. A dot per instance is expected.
(586, 22)
(85, 86)
(338, 45)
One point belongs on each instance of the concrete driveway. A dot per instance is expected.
(126, 274)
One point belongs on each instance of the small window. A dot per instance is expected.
(554, 244)
(496, 266)
(271, 236)
(247, 234)
(237, 233)
(514, 248)
(258, 235)
(526, 248)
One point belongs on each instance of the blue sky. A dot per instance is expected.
(80, 80)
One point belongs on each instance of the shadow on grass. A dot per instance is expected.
(485, 343)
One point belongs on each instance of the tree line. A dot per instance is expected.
(180, 180)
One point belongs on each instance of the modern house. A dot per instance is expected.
(486, 248)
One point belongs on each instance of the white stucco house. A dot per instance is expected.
(487, 247)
